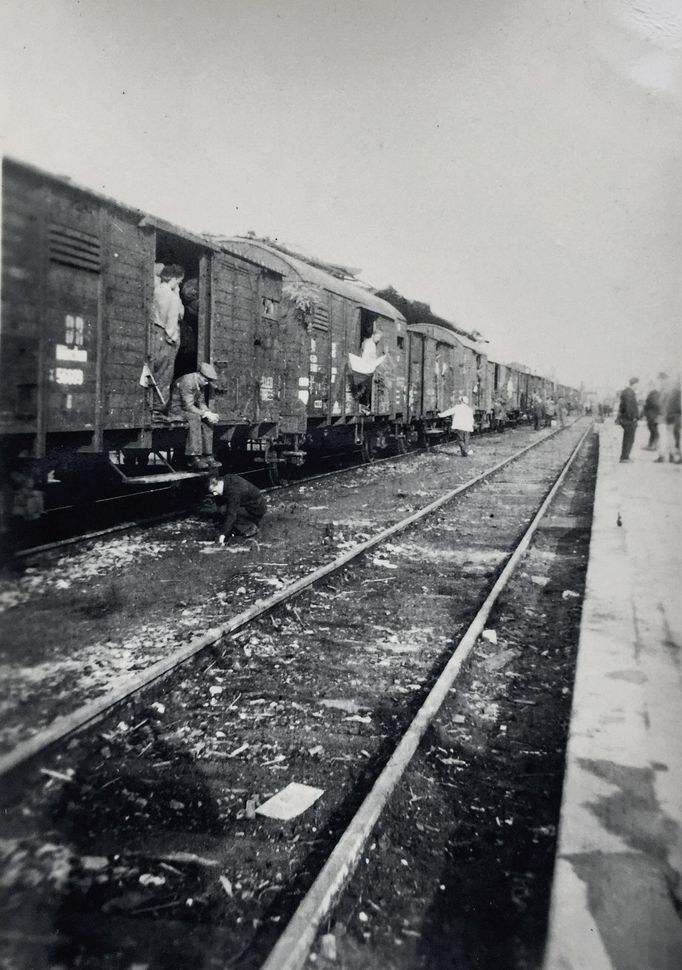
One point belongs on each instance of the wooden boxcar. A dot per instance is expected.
(443, 364)
(77, 291)
(328, 318)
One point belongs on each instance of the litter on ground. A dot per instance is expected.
(290, 801)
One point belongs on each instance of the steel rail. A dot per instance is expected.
(167, 517)
(292, 950)
(69, 724)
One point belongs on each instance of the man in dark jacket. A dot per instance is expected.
(241, 506)
(628, 412)
(652, 409)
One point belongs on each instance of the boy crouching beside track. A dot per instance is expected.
(241, 506)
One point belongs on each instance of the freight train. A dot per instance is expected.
(309, 360)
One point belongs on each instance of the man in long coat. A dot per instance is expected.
(628, 412)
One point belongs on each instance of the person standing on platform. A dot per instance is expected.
(462, 423)
(652, 410)
(538, 412)
(241, 506)
(672, 418)
(167, 311)
(562, 411)
(664, 444)
(188, 401)
(628, 413)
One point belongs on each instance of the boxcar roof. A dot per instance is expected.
(144, 218)
(448, 335)
(293, 266)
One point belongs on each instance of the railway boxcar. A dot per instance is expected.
(77, 292)
(331, 318)
(443, 364)
(307, 357)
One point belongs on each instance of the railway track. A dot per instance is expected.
(70, 540)
(152, 793)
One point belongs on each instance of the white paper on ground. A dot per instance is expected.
(290, 801)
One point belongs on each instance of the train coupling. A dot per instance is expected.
(295, 458)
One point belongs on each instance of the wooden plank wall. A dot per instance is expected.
(234, 292)
(430, 390)
(401, 370)
(295, 350)
(345, 339)
(21, 295)
(128, 292)
(319, 358)
(383, 402)
(416, 353)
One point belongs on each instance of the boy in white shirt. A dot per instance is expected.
(462, 422)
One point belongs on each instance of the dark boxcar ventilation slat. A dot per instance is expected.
(73, 247)
(320, 317)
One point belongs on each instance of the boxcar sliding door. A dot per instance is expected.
(73, 317)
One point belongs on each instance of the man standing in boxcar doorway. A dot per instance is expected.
(628, 412)
(167, 311)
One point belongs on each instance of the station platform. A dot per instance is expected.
(617, 893)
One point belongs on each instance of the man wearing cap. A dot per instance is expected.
(462, 422)
(628, 412)
(188, 401)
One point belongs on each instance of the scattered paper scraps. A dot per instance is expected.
(342, 704)
(290, 801)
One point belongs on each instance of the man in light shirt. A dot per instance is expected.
(167, 312)
(462, 422)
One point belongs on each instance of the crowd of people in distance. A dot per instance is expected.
(546, 411)
(661, 410)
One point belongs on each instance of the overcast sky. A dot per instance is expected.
(516, 163)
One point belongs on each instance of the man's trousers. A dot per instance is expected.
(629, 428)
(199, 436)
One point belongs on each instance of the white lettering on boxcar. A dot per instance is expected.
(68, 375)
(267, 388)
(71, 353)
